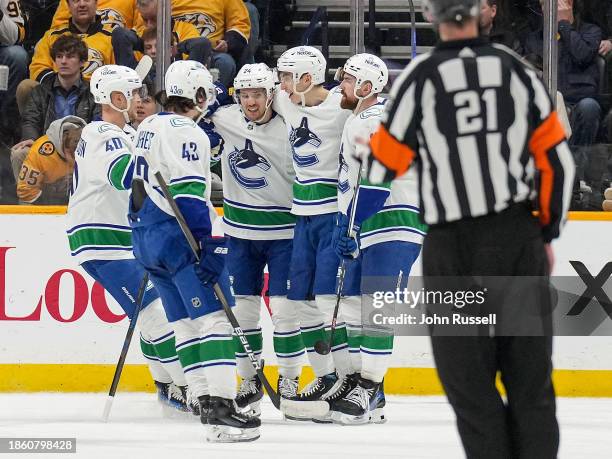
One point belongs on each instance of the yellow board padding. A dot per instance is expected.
(599, 216)
(136, 378)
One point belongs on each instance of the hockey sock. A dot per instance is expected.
(188, 345)
(217, 354)
(158, 345)
(339, 350)
(376, 349)
(351, 312)
(247, 311)
(288, 343)
(312, 329)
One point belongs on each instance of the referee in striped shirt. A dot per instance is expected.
(482, 132)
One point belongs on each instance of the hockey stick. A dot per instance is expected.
(126, 346)
(307, 409)
(324, 347)
(144, 66)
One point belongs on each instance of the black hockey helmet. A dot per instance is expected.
(451, 10)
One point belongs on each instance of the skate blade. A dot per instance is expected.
(304, 410)
(228, 434)
(377, 416)
(349, 420)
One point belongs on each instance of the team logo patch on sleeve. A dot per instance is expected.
(46, 149)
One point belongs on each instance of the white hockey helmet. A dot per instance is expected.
(185, 78)
(301, 60)
(255, 76)
(367, 67)
(114, 78)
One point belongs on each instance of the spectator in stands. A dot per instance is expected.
(186, 40)
(254, 35)
(143, 105)
(225, 23)
(113, 13)
(62, 93)
(578, 77)
(12, 55)
(600, 12)
(45, 176)
(86, 25)
(578, 81)
(490, 27)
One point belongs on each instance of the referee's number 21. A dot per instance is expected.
(469, 111)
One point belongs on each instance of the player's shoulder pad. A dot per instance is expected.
(372, 112)
(108, 129)
(179, 121)
(46, 148)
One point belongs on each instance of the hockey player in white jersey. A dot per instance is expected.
(257, 191)
(98, 229)
(172, 144)
(314, 123)
(380, 257)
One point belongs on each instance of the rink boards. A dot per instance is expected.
(60, 332)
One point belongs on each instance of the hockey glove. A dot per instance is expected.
(212, 259)
(346, 247)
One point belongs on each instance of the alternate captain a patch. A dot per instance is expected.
(46, 149)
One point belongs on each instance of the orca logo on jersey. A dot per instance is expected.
(343, 185)
(247, 158)
(300, 136)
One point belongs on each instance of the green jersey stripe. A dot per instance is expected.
(100, 237)
(185, 189)
(257, 217)
(314, 191)
(393, 218)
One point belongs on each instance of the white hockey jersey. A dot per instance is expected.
(314, 136)
(257, 176)
(398, 220)
(175, 146)
(97, 223)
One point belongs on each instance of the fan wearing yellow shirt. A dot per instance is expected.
(225, 23)
(113, 13)
(45, 175)
(186, 40)
(84, 23)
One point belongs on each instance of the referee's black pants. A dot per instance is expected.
(505, 244)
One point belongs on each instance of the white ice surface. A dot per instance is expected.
(418, 427)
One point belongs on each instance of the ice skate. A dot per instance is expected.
(364, 403)
(227, 425)
(249, 395)
(173, 402)
(348, 383)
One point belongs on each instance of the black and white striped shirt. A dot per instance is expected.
(479, 125)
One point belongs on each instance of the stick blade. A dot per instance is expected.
(107, 408)
(144, 66)
(304, 409)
